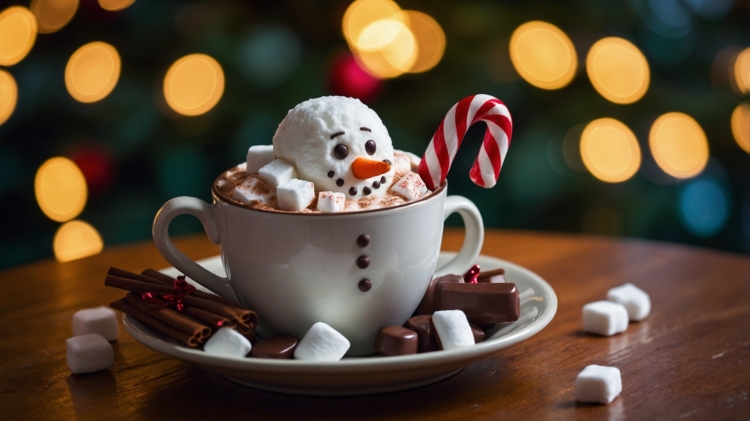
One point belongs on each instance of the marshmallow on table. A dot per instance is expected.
(227, 342)
(295, 194)
(410, 187)
(598, 384)
(605, 318)
(276, 173)
(101, 320)
(252, 190)
(329, 201)
(88, 353)
(635, 300)
(258, 156)
(322, 343)
(452, 329)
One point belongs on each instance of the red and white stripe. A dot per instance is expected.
(442, 149)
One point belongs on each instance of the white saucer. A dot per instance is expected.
(355, 376)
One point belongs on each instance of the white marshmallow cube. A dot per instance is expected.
(605, 318)
(452, 329)
(258, 156)
(295, 194)
(227, 342)
(329, 201)
(635, 300)
(88, 353)
(410, 187)
(598, 384)
(322, 343)
(405, 160)
(101, 320)
(252, 190)
(276, 173)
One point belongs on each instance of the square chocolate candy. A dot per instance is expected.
(483, 303)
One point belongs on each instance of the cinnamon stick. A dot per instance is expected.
(170, 317)
(491, 273)
(158, 276)
(130, 310)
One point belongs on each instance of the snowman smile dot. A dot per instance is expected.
(331, 174)
(376, 184)
(382, 179)
(366, 191)
(340, 182)
(353, 191)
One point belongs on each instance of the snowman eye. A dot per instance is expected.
(370, 147)
(340, 151)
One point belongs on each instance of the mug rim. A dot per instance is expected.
(421, 200)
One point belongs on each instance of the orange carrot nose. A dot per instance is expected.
(364, 168)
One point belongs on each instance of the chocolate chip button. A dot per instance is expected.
(363, 240)
(364, 285)
(363, 262)
(382, 180)
(331, 174)
(340, 182)
(376, 184)
(353, 191)
(366, 191)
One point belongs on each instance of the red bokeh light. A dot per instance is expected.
(347, 78)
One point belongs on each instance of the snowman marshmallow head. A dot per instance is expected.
(339, 144)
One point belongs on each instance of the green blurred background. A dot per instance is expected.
(136, 153)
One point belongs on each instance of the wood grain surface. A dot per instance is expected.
(689, 360)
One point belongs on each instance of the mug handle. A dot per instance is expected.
(206, 214)
(473, 241)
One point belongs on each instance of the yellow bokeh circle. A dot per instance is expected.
(430, 40)
(8, 95)
(679, 145)
(18, 29)
(60, 188)
(742, 71)
(194, 84)
(115, 5)
(92, 72)
(362, 13)
(741, 126)
(76, 240)
(618, 70)
(543, 55)
(610, 150)
(53, 15)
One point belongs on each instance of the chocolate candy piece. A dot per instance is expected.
(364, 285)
(496, 276)
(276, 346)
(396, 340)
(427, 305)
(363, 240)
(421, 325)
(363, 262)
(477, 332)
(483, 303)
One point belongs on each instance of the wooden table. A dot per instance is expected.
(690, 359)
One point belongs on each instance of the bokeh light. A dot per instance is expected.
(710, 9)
(618, 70)
(76, 240)
(60, 188)
(543, 55)
(742, 71)
(430, 41)
(115, 5)
(18, 29)
(704, 207)
(194, 84)
(53, 15)
(92, 72)
(361, 13)
(610, 150)
(347, 78)
(8, 95)
(740, 126)
(97, 167)
(679, 145)
(259, 60)
(394, 58)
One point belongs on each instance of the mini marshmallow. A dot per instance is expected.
(101, 320)
(258, 156)
(635, 300)
(227, 342)
(598, 384)
(329, 201)
(605, 318)
(88, 353)
(252, 190)
(322, 343)
(276, 173)
(452, 329)
(405, 160)
(410, 187)
(295, 195)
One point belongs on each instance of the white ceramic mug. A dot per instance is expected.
(295, 269)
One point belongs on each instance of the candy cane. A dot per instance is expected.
(442, 149)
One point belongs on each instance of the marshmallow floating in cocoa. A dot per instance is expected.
(396, 340)
(329, 202)
(277, 172)
(252, 190)
(258, 156)
(279, 347)
(410, 187)
(295, 195)
(483, 303)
